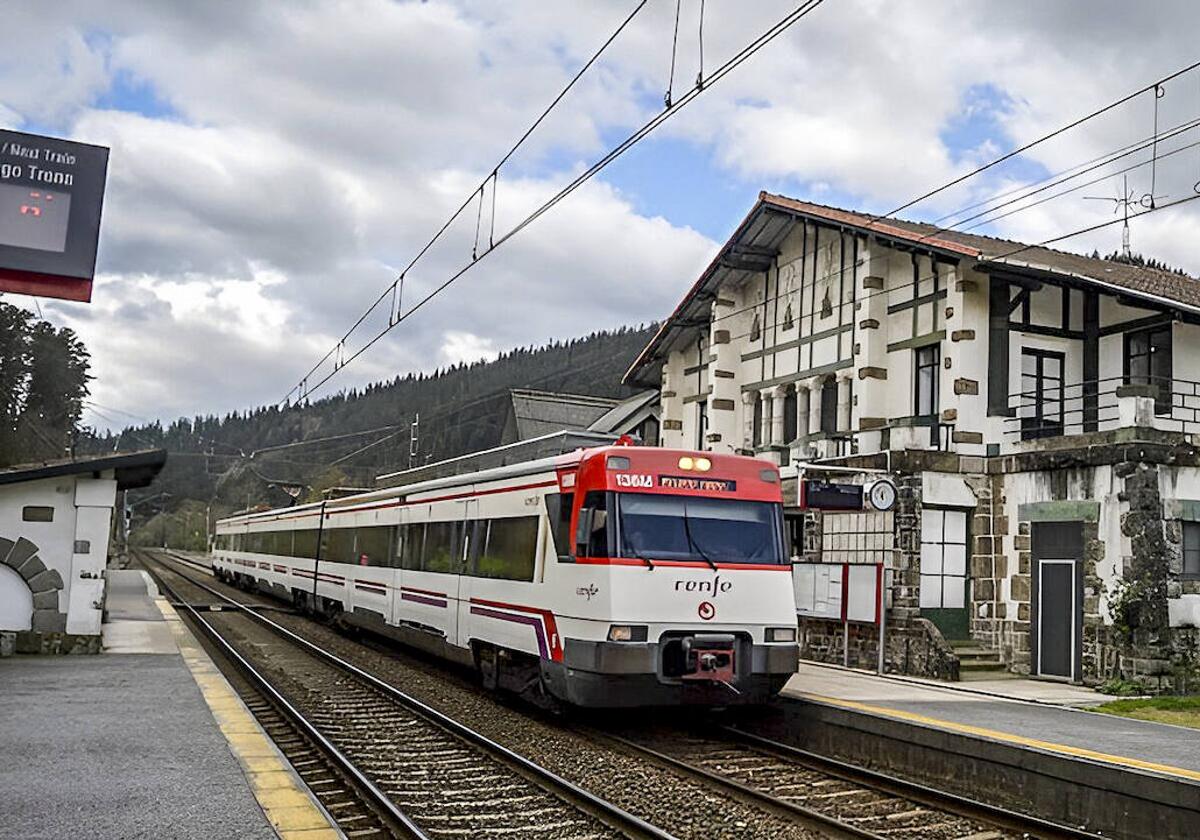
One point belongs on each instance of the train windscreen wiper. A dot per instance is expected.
(687, 529)
(634, 553)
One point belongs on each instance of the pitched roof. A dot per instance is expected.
(772, 217)
(131, 469)
(538, 413)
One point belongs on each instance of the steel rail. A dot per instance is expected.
(916, 791)
(827, 821)
(377, 799)
(574, 795)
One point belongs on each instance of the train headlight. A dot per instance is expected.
(627, 633)
(703, 465)
(781, 634)
(686, 462)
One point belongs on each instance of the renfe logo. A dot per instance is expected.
(714, 587)
(634, 480)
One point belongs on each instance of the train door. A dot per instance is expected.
(461, 593)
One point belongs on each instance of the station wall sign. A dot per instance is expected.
(51, 196)
(825, 495)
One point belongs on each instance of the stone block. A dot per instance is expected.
(1000, 566)
(1000, 524)
(949, 415)
(720, 337)
(1001, 610)
(20, 552)
(949, 312)
(967, 437)
(5, 548)
(722, 405)
(868, 324)
(983, 545)
(1021, 542)
(872, 373)
(714, 437)
(872, 281)
(49, 621)
(723, 374)
(1023, 528)
(968, 387)
(668, 395)
(869, 423)
(984, 590)
(981, 567)
(47, 600)
(962, 335)
(48, 579)
(672, 425)
(32, 567)
(1019, 587)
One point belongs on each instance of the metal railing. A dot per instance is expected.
(1094, 405)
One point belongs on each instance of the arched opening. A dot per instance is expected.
(829, 405)
(16, 601)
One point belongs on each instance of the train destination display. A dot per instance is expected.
(51, 196)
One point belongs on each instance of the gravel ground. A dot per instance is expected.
(679, 804)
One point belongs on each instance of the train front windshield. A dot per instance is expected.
(661, 527)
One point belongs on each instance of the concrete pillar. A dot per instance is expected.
(778, 433)
(870, 345)
(803, 403)
(844, 403)
(748, 419)
(814, 406)
(723, 364)
(963, 383)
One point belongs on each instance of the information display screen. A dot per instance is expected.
(51, 197)
(35, 219)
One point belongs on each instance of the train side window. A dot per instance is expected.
(507, 548)
(441, 543)
(372, 546)
(304, 543)
(339, 546)
(558, 506)
(592, 536)
(412, 543)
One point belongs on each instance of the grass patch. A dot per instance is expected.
(1181, 711)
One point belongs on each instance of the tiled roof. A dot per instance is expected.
(1162, 287)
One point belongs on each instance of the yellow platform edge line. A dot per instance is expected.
(286, 801)
(1007, 737)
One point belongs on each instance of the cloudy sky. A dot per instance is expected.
(274, 164)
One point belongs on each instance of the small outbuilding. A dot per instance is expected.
(56, 519)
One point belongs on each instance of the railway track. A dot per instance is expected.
(413, 771)
(848, 799)
(814, 794)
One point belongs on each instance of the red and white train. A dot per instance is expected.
(613, 576)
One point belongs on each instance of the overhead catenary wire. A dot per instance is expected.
(301, 387)
(737, 60)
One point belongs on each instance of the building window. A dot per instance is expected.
(1041, 401)
(37, 513)
(1191, 550)
(943, 558)
(1148, 362)
(925, 395)
(829, 405)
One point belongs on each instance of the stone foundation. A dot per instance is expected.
(34, 642)
(915, 649)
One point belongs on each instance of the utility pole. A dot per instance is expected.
(414, 430)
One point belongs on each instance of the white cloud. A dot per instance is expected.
(295, 172)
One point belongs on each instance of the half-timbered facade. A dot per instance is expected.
(1037, 408)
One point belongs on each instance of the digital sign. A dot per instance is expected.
(824, 495)
(51, 197)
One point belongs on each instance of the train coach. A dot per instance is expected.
(607, 577)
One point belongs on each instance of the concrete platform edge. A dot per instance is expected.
(290, 807)
(1105, 798)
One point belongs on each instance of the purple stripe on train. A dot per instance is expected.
(421, 599)
(535, 623)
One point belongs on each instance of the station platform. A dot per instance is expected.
(1020, 744)
(146, 740)
(1038, 714)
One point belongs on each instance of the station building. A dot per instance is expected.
(1035, 408)
(56, 521)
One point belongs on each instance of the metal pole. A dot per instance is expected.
(317, 559)
(882, 616)
(845, 642)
